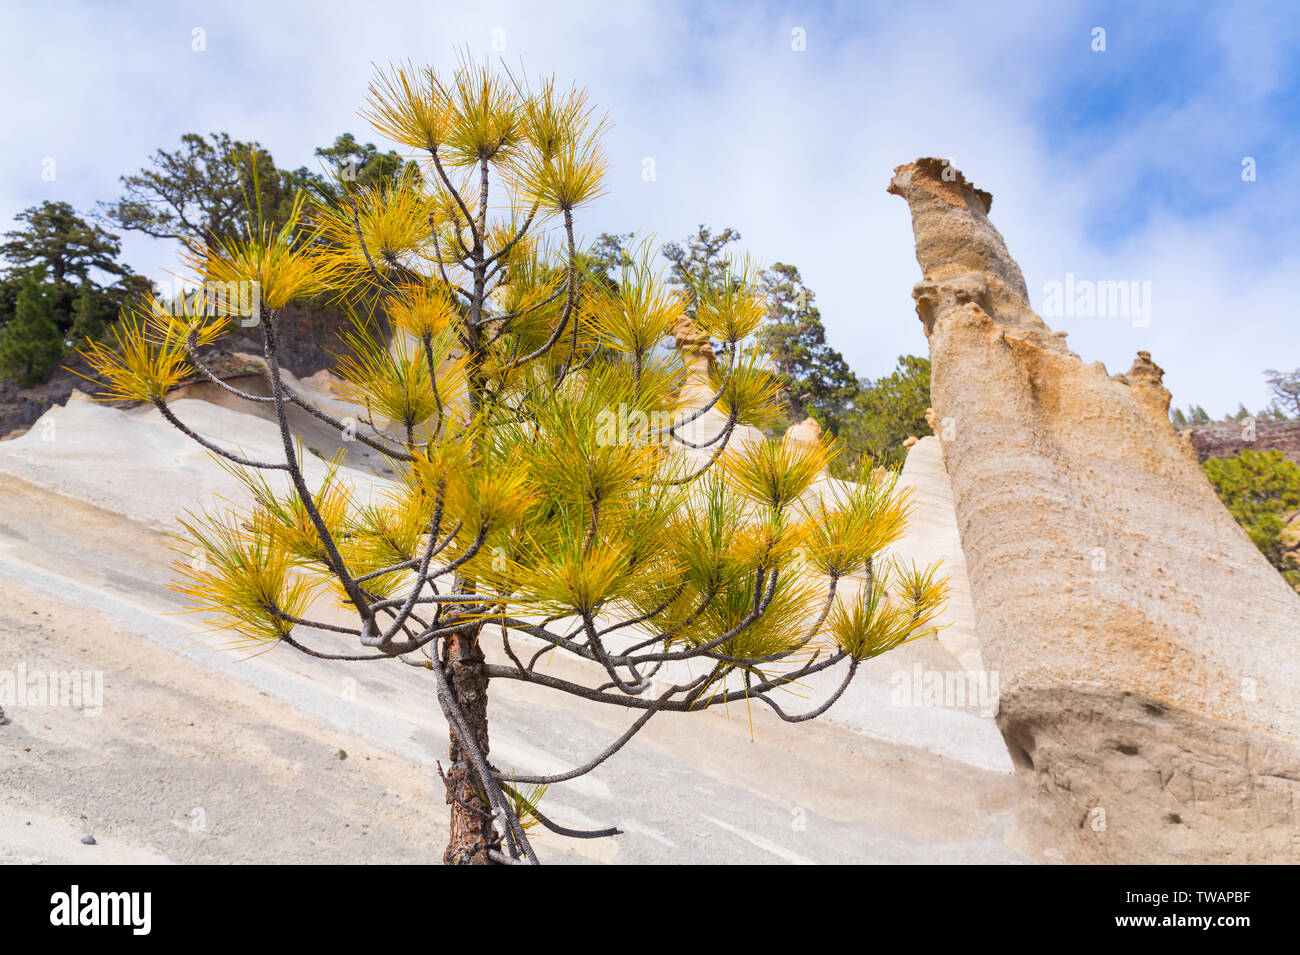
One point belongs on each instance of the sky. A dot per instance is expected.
(1160, 151)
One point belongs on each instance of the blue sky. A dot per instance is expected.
(1115, 165)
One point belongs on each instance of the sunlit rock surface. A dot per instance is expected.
(1148, 654)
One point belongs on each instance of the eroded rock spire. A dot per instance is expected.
(1148, 654)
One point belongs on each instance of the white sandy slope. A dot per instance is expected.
(88, 488)
(133, 462)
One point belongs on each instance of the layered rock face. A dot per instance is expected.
(1148, 655)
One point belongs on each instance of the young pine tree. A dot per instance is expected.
(1261, 490)
(547, 500)
(30, 342)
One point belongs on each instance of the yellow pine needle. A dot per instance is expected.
(750, 391)
(635, 316)
(869, 623)
(731, 306)
(391, 379)
(489, 497)
(283, 267)
(394, 230)
(564, 181)
(241, 579)
(484, 115)
(142, 358)
(524, 799)
(409, 106)
(776, 472)
(860, 521)
(424, 312)
(550, 122)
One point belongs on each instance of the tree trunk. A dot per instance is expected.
(471, 815)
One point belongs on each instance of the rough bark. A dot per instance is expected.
(471, 833)
(1148, 655)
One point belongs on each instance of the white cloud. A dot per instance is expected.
(794, 149)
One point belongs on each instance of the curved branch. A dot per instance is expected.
(176, 422)
(656, 705)
(574, 833)
(811, 714)
(713, 458)
(332, 656)
(336, 564)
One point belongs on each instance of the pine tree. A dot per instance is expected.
(206, 190)
(1285, 386)
(353, 165)
(701, 263)
(1261, 490)
(887, 411)
(92, 313)
(31, 343)
(815, 378)
(678, 575)
(65, 250)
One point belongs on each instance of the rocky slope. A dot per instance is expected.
(1227, 439)
(310, 339)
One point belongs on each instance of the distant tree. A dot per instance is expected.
(1196, 415)
(699, 263)
(64, 249)
(815, 378)
(96, 309)
(30, 342)
(887, 412)
(211, 188)
(356, 165)
(64, 273)
(606, 256)
(1285, 386)
(1261, 490)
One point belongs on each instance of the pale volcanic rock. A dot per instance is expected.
(133, 462)
(697, 353)
(932, 536)
(191, 725)
(1149, 656)
(934, 692)
(807, 431)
